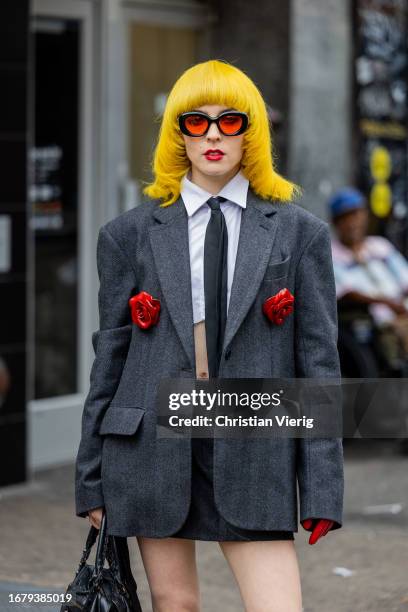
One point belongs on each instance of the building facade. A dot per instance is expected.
(87, 81)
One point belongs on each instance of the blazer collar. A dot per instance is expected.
(169, 242)
(166, 214)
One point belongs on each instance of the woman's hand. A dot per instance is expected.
(95, 517)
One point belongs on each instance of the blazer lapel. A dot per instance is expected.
(256, 239)
(169, 242)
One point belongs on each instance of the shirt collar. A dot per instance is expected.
(194, 197)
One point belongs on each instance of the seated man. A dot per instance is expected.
(370, 272)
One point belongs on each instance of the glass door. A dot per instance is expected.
(157, 55)
(62, 224)
(54, 205)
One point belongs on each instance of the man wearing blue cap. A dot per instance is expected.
(369, 270)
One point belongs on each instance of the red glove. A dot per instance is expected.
(319, 528)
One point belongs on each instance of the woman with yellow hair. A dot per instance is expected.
(210, 83)
(216, 275)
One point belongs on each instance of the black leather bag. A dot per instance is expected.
(99, 589)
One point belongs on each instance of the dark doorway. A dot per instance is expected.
(54, 200)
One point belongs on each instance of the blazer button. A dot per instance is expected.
(227, 354)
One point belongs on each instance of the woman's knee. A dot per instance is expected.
(267, 574)
(175, 600)
(172, 574)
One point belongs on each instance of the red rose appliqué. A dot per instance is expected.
(145, 309)
(277, 307)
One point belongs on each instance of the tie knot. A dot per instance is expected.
(214, 203)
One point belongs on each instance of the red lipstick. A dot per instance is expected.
(214, 154)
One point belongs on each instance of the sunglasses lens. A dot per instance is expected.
(196, 124)
(230, 124)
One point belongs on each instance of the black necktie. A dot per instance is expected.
(215, 283)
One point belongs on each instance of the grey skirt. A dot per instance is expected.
(204, 521)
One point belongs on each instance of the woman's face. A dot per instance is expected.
(227, 150)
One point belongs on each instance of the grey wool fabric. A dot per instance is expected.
(143, 482)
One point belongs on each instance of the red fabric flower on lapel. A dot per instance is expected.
(145, 309)
(277, 307)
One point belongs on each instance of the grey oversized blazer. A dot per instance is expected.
(144, 482)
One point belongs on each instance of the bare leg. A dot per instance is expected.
(267, 574)
(170, 566)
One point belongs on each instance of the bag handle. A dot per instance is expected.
(102, 546)
(90, 541)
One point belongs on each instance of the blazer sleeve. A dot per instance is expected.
(319, 460)
(110, 344)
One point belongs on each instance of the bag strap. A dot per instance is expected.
(120, 554)
(102, 546)
(90, 541)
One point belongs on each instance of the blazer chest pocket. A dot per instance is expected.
(121, 420)
(277, 270)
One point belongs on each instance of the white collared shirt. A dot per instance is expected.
(199, 213)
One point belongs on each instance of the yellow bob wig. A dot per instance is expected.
(216, 82)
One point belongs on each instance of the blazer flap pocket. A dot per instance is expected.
(121, 420)
(278, 269)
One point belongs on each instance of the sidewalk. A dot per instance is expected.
(42, 539)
